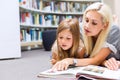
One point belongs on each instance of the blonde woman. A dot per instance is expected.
(101, 37)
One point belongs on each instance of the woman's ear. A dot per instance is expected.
(105, 25)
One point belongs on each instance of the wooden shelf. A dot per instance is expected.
(38, 26)
(32, 43)
(49, 12)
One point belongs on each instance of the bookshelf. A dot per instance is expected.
(40, 15)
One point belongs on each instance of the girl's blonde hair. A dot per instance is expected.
(106, 15)
(73, 26)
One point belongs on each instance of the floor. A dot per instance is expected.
(27, 67)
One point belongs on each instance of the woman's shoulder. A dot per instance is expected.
(115, 29)
(113, 39)
(114, 32)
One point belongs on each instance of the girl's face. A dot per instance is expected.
(93, 23)
(65, 39)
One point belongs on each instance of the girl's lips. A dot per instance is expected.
(63, 45)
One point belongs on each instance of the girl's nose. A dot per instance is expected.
(63, 40)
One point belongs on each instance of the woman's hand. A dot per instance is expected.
(62, 65)
(112, 64)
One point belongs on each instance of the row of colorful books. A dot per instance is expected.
(65, 6)
(35, 4)
(56, 6)
(31, 34)
(44, 19)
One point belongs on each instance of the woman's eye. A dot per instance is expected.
(87, 20)
(94, 23)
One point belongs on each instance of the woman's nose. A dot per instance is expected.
(87, 25)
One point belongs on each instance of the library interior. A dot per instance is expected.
(32, 28)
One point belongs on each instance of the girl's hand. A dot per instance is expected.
(61, 65)
(53, 61)
(112, 64)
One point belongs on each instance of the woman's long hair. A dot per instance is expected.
(106, 15)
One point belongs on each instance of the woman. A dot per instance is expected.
(100, 36)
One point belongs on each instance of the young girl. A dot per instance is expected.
(68, 43)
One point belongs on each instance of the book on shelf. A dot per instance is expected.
(89, 72)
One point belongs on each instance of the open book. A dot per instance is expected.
(89, 72)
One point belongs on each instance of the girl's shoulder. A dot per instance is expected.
(81, 43)
(81, 49)
(54, 47)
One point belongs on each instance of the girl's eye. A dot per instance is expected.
(60, 37)
(68, 38)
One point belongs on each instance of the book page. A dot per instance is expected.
(112, 74)
(100, 72)
(70, 72)
(90, 71)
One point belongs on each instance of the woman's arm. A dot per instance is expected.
(96, 60)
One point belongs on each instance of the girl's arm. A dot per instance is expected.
(54, 58)
(63, 64)
(54, 50)
(81, 53)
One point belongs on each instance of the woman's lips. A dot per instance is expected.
(87, 31)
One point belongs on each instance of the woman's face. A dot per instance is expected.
(93, 23)
(65, 39)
